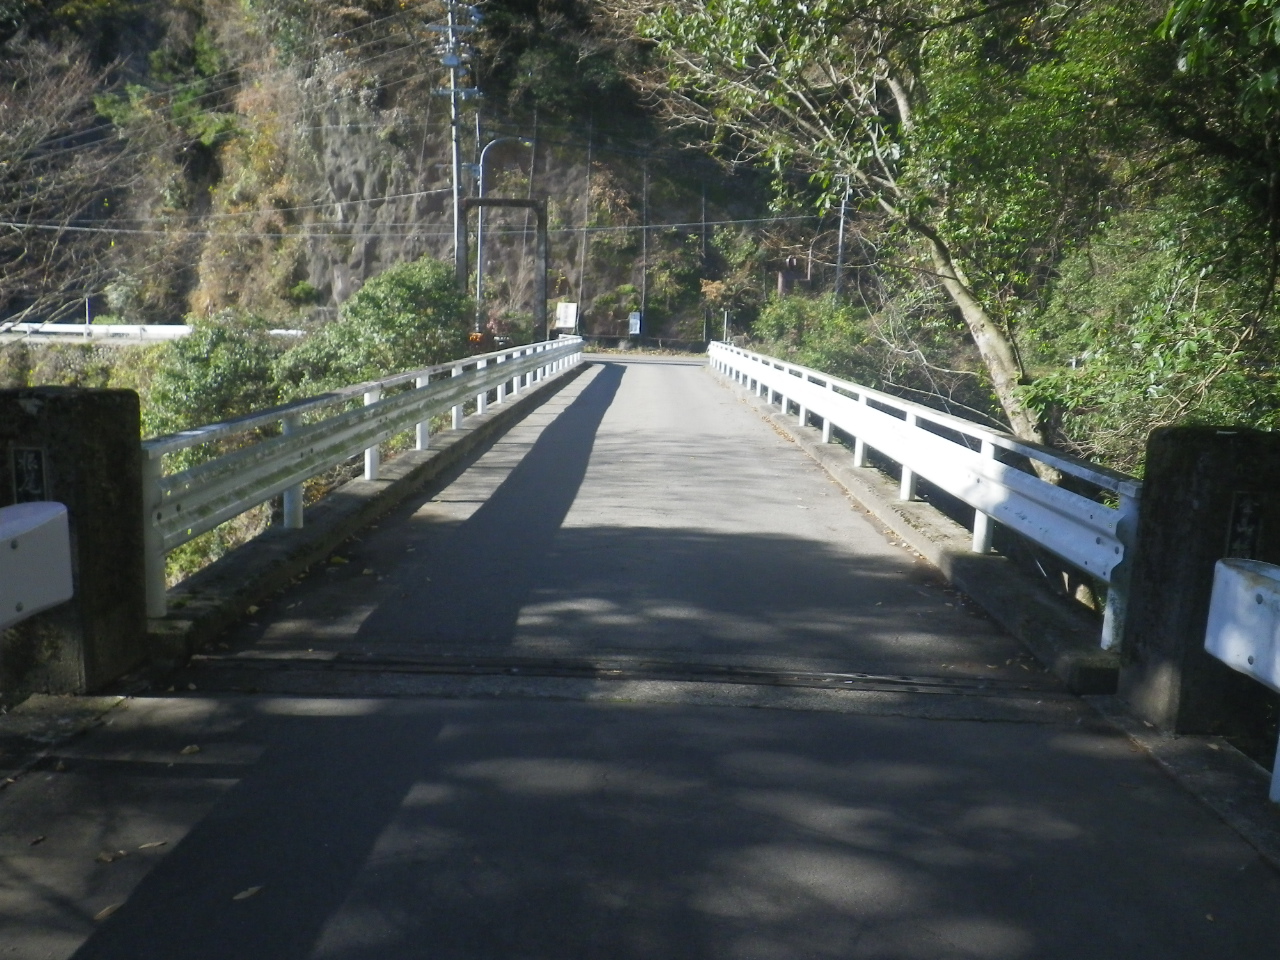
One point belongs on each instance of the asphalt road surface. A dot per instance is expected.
(640, 683)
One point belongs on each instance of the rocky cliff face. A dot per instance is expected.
(283, 152)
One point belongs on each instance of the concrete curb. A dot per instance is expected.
(205, 604)
(1216, 773)
(1061, 636)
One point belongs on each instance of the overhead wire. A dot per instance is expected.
(411, 229)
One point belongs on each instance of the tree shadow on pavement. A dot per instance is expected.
(380, 830)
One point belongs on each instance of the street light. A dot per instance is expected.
(480, 219)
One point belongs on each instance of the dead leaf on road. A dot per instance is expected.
(246, 894)
(110, 856)
(38, 840)
(153, 844)
(107, 911)
(189, 750)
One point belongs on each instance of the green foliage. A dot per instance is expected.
(407, 317)
(819, 332)
(1160, 322)
(545, 55)
(1012, 150)
(84, 13)
(303, 292)
(189, 105)
(1236, 40)
(222, 370)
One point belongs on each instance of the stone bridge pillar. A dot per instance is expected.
(79, 448)
(1209, 493)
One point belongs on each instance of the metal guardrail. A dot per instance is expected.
(961, 458)
(181, 506)
(109, 334)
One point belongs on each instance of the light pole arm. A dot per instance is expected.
(480, 220)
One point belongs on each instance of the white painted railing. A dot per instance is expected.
(962, 458)
(316, 434)
(110, 334)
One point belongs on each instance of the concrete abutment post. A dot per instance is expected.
(1208, 494)
(79, 448)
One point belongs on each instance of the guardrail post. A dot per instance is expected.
(502, 387)
(907, 487)
(860, 445)
(292, 497)
(826, 420)
(372, 456)
(983, 525)
(457, 410)
(152, 541)
(1117, 608)
(482, 398)
(423, 429)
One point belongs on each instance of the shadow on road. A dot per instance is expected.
(457, 831)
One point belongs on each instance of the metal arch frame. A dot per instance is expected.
(539, 207)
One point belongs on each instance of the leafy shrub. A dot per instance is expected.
(407, 317)
(1154, 323)
(223, 369)
(818, 332)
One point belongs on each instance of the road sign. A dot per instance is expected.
(635, 323)
(566, 316)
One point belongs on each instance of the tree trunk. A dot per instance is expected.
(994, 345)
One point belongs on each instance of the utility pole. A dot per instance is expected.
(844, 205)
(704, 221)
(586, 224)
(644, 249)
(454, 54)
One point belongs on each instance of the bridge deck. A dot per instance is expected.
(642, 514)
(646, 550)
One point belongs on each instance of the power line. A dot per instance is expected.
(411, 229)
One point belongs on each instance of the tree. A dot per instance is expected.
(408, 317)
(976, 132)
(60, 172)
(1229, 52)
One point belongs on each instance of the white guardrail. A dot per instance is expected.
(961, 458)
(315, 437)
(104, 334)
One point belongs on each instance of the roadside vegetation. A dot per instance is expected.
(1073, 205)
